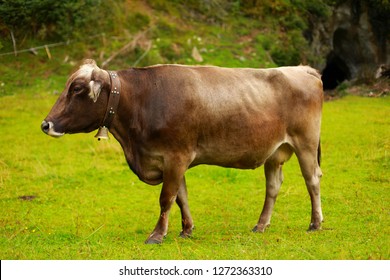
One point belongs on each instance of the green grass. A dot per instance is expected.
(89, 205)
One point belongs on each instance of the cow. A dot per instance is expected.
(169, 118)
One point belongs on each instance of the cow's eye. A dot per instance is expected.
(77, 89)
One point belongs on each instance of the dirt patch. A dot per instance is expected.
(27, 197)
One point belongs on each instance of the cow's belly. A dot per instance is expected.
(245, 144)
(242, 159)
(237, 163)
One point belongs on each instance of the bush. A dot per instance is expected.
(47, 18)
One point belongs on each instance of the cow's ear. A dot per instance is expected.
(95, 89)
(99, 78)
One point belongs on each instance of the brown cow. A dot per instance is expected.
(169, 118)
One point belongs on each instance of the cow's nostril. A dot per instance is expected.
(45, 126)
(48, 128)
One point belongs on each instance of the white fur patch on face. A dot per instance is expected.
(85, 71)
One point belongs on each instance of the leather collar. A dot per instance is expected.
(112, 105)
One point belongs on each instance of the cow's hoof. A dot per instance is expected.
(260, 228)
(185, 234)
(153, 241)
(314, 227)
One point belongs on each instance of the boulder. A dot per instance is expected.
(354, 41)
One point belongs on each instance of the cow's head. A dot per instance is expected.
(82, 105)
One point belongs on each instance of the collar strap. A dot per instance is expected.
(112, 106)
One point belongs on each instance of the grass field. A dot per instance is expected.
(75, 197)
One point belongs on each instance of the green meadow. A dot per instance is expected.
(76, 198)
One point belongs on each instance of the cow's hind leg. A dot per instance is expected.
(311, 171)
(186, 219)
(274, 178)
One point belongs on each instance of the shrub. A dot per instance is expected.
(47, 18)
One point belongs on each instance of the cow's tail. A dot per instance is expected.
(319, 153)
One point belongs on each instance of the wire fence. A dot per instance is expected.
(34, 49)
(130, 45)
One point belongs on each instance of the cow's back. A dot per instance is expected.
(218, 91)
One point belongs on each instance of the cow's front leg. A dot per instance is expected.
(171, 184)
(186, 219)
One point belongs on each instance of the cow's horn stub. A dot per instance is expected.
(89, 61)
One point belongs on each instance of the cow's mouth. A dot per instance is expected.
(48, 128)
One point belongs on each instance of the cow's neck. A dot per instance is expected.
(112, 105)
(121, 123)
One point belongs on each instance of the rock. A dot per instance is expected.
(383, 72)
(354, 41)
(196, 55)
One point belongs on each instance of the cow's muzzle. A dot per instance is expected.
(48, 128)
